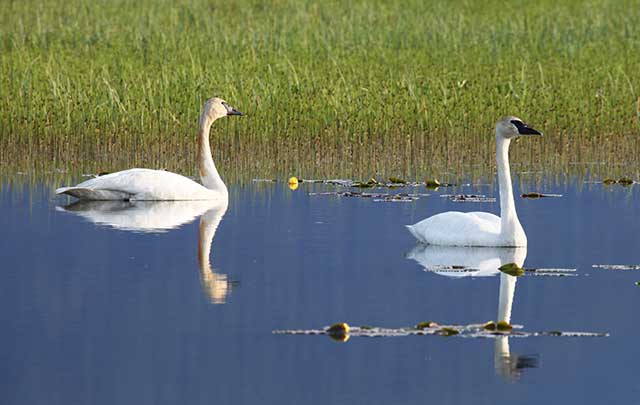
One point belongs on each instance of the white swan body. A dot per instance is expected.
(160, 185)
(141, 185)
(482, 228)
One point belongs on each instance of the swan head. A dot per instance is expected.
(216, 108)
(512, 127)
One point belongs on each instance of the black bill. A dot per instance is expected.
(524, 129)
(231, 110)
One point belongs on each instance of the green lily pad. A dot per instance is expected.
(512, 269)
(504, 326)
(489, 325)
(432, 183)
(625, 181)
(397, 180)
(427, 324)
(447, 332)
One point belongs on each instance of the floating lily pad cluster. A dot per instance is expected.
(513, 269)
(378, 197)
(548, 272)
(469, 198)
(617, 266)
(536, 195)
(623, 181)
(492, 329)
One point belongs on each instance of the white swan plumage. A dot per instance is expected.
(482, 228)
(161, 185)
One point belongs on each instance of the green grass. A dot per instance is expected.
(329, 87)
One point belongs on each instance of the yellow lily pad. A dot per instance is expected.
(504, 326)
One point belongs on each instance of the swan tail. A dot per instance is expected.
(414, 232)
(92, 194)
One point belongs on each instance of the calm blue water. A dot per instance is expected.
(98, 315)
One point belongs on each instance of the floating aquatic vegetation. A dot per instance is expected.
(489, 325)
(512, 269)
(377, 197)
(293, 183)
(550, 272)
(484, 330)
(503, 326)
(453, 268)
(473, 198)
(427, 324)
(264, 180)
(434, 183)
(447, 332)
(617, 266)
(396, 180)
(623, 181)
(450, 268)
(535, 195)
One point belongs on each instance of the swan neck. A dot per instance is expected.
(509, 219)
(209, 175)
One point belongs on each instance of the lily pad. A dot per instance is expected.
(503, 326)
(535, 195)
(472, 198)
(377, 197)
(338, 328)
(617, 266)
(396, 180)
(427, 324)
(485, 330)
(625, 181)
(432, 183)
(512, 269)
(447, 332)
(489, 325)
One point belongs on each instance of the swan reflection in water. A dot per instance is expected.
(457, 262)
(163, 216)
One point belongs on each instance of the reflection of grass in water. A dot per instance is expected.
(406, 89)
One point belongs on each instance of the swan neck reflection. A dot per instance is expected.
(215, 285)
(458, 262)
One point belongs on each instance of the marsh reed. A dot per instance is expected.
(337, 88)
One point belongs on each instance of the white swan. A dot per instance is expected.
(482, 228)
(160, 185)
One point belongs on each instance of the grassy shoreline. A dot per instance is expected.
(409, 86)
